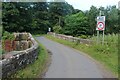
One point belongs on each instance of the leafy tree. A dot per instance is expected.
(10, 15)
(57, 29)
(92, 15)
(40, 18)
(119, 20)
(57, 11)
(76, 11)
(112, 23)
(76, 24)
(37, 17)
(25, 17)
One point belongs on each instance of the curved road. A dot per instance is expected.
(70, 63)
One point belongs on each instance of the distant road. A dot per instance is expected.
(70, 63)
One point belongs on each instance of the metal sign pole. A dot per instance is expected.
(97, 36)
(98, 31)
(103, 38)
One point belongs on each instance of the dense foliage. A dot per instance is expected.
(76, 24)
(37, 17)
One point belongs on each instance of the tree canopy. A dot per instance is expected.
(76, 24)
(61, 17)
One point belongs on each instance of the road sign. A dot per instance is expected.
(100, 23)
(49, 29)
(100, 26)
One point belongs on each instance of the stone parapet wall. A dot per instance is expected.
(16, 60)
(71, 38)
(80, 40)
(21, 41)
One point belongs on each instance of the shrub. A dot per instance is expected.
(8, 36)
(83, 36)
(57, 29)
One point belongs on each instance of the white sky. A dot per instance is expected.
(86, 4)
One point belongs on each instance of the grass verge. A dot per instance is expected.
(105, 54)
(36, 69)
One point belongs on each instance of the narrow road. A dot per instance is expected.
(69, 63)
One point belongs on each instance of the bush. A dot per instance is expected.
(76, 24)
(8, 36)
(57, 29)
(83, 36)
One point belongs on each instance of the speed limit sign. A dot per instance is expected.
(100, 23)
(100, 26)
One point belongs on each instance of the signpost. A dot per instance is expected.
(100, 23)
(49, 29)
(100, 26)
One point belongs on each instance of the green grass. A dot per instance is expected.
(37, 35)
(110, 38)
(36, 69)
(105, 54)
(0, 29)
(0, 32)
(0, 51)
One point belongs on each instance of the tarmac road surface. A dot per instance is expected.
(70, 63)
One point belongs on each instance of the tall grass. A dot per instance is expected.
(110, 38)
(109, 50)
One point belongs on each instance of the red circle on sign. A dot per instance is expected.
(102, 24)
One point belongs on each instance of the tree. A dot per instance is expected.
(27, 16)
(119, 20)
(40, 18)
(57, 29)
(112, 20)
(57, 11)
(76, 24)
(16, 17)
(92, 15)
(10, 15)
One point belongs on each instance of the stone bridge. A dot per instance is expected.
(16, 60)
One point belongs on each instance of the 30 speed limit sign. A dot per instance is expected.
(100, 23)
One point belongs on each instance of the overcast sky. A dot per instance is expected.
(86, 4)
